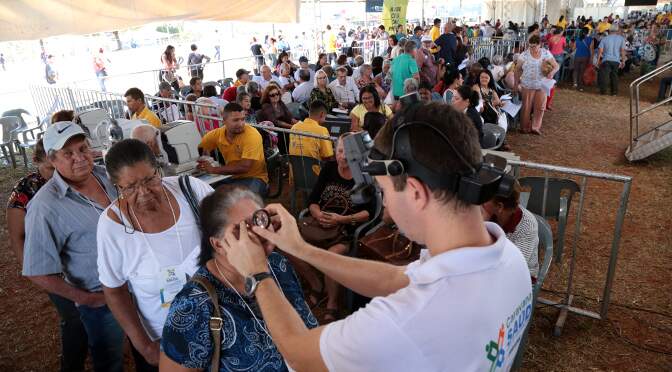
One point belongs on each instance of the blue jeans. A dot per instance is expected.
(73, 335)
(256, 185)
(101, 75)
(560, 58)
(106, 338)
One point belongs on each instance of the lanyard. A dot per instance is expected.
(177, 231)
(98, 211)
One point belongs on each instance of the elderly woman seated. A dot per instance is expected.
(246, 344)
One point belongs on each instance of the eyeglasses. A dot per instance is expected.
(149, 182)
(274, 95)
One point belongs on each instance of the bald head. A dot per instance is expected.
(147, 134)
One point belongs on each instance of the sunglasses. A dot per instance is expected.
(274, 95)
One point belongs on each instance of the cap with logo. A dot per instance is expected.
(59, 133)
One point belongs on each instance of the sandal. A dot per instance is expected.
(330, 315)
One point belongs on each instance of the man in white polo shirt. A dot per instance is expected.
(463, 306)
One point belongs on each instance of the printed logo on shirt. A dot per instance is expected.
(510, 334)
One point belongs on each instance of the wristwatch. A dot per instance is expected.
(252, 282)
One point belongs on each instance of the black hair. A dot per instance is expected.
(135, 93)
(193, 47)
(370, 88)
(469, 94)
(437, 21)
(373, 122)
(424, 84)
(450, 76)
(209, 91)
(304, 75)
(193, 80)
(127, 153)
(233, 107)
(317, 106)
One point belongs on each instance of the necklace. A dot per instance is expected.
(262, 326)
(91, 203)
(177, 231)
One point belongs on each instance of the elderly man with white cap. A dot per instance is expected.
(425, 60)
(60, 248)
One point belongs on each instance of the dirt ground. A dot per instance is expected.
(585, 131)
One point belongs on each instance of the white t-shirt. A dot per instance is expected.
(263, 83)
(124, 257)
(464, 310)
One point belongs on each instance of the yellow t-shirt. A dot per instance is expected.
(603, 27)
(146, 114)
(310, 147)
(359, 111)
(247, 145)
(562, 24)
(331, 43)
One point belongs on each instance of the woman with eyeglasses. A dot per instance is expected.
(322, 91)
(148, 245)
(246, 344)
(275, 111)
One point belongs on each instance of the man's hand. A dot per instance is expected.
(621, 65)
(245, 254)
(287, 236)
(205, 166)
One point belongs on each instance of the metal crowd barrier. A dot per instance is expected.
(148, 81)
(582, 177)
(491, 47)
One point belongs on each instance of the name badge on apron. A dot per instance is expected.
(171, 279)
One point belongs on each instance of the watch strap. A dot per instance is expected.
(261, 276)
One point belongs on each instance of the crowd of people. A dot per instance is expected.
(197, 277)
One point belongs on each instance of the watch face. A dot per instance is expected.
(250, 283)
(261, 218)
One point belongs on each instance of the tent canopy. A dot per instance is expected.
(34, 19)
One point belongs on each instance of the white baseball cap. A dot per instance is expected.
(426, 38)
(59, 133)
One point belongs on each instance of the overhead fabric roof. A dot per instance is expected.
(34, 19)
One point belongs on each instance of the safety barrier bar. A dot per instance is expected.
(635, 110)
(490, 48)
(584, 175)
(148, 80)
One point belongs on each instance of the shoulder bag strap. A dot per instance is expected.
(215, 322)
(185, 186)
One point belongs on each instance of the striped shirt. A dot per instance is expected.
(61, 232)
(525, 237)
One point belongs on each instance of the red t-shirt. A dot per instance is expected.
(230, 94)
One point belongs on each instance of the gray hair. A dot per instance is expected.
(409, 47)
(214, 213)
(252, 87)
(497, 60)
(410, 85)
(359, 60)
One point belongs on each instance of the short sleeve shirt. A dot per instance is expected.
(360, 111)
(611, 48)
(403, 67)
(141, 259)
(463, 310)
(61, 232)
(245, 345)
(247, 145)
(148, 115)
(312, 147)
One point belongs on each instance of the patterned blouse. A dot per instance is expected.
(328, 98)
(245, 345)
(24, 190)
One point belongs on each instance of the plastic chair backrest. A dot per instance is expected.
(302, 171)
(557, 187)
(545, 240)
(493, 136)
(337, 125)
(19, 114)
(8, 124)
(114, 107)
